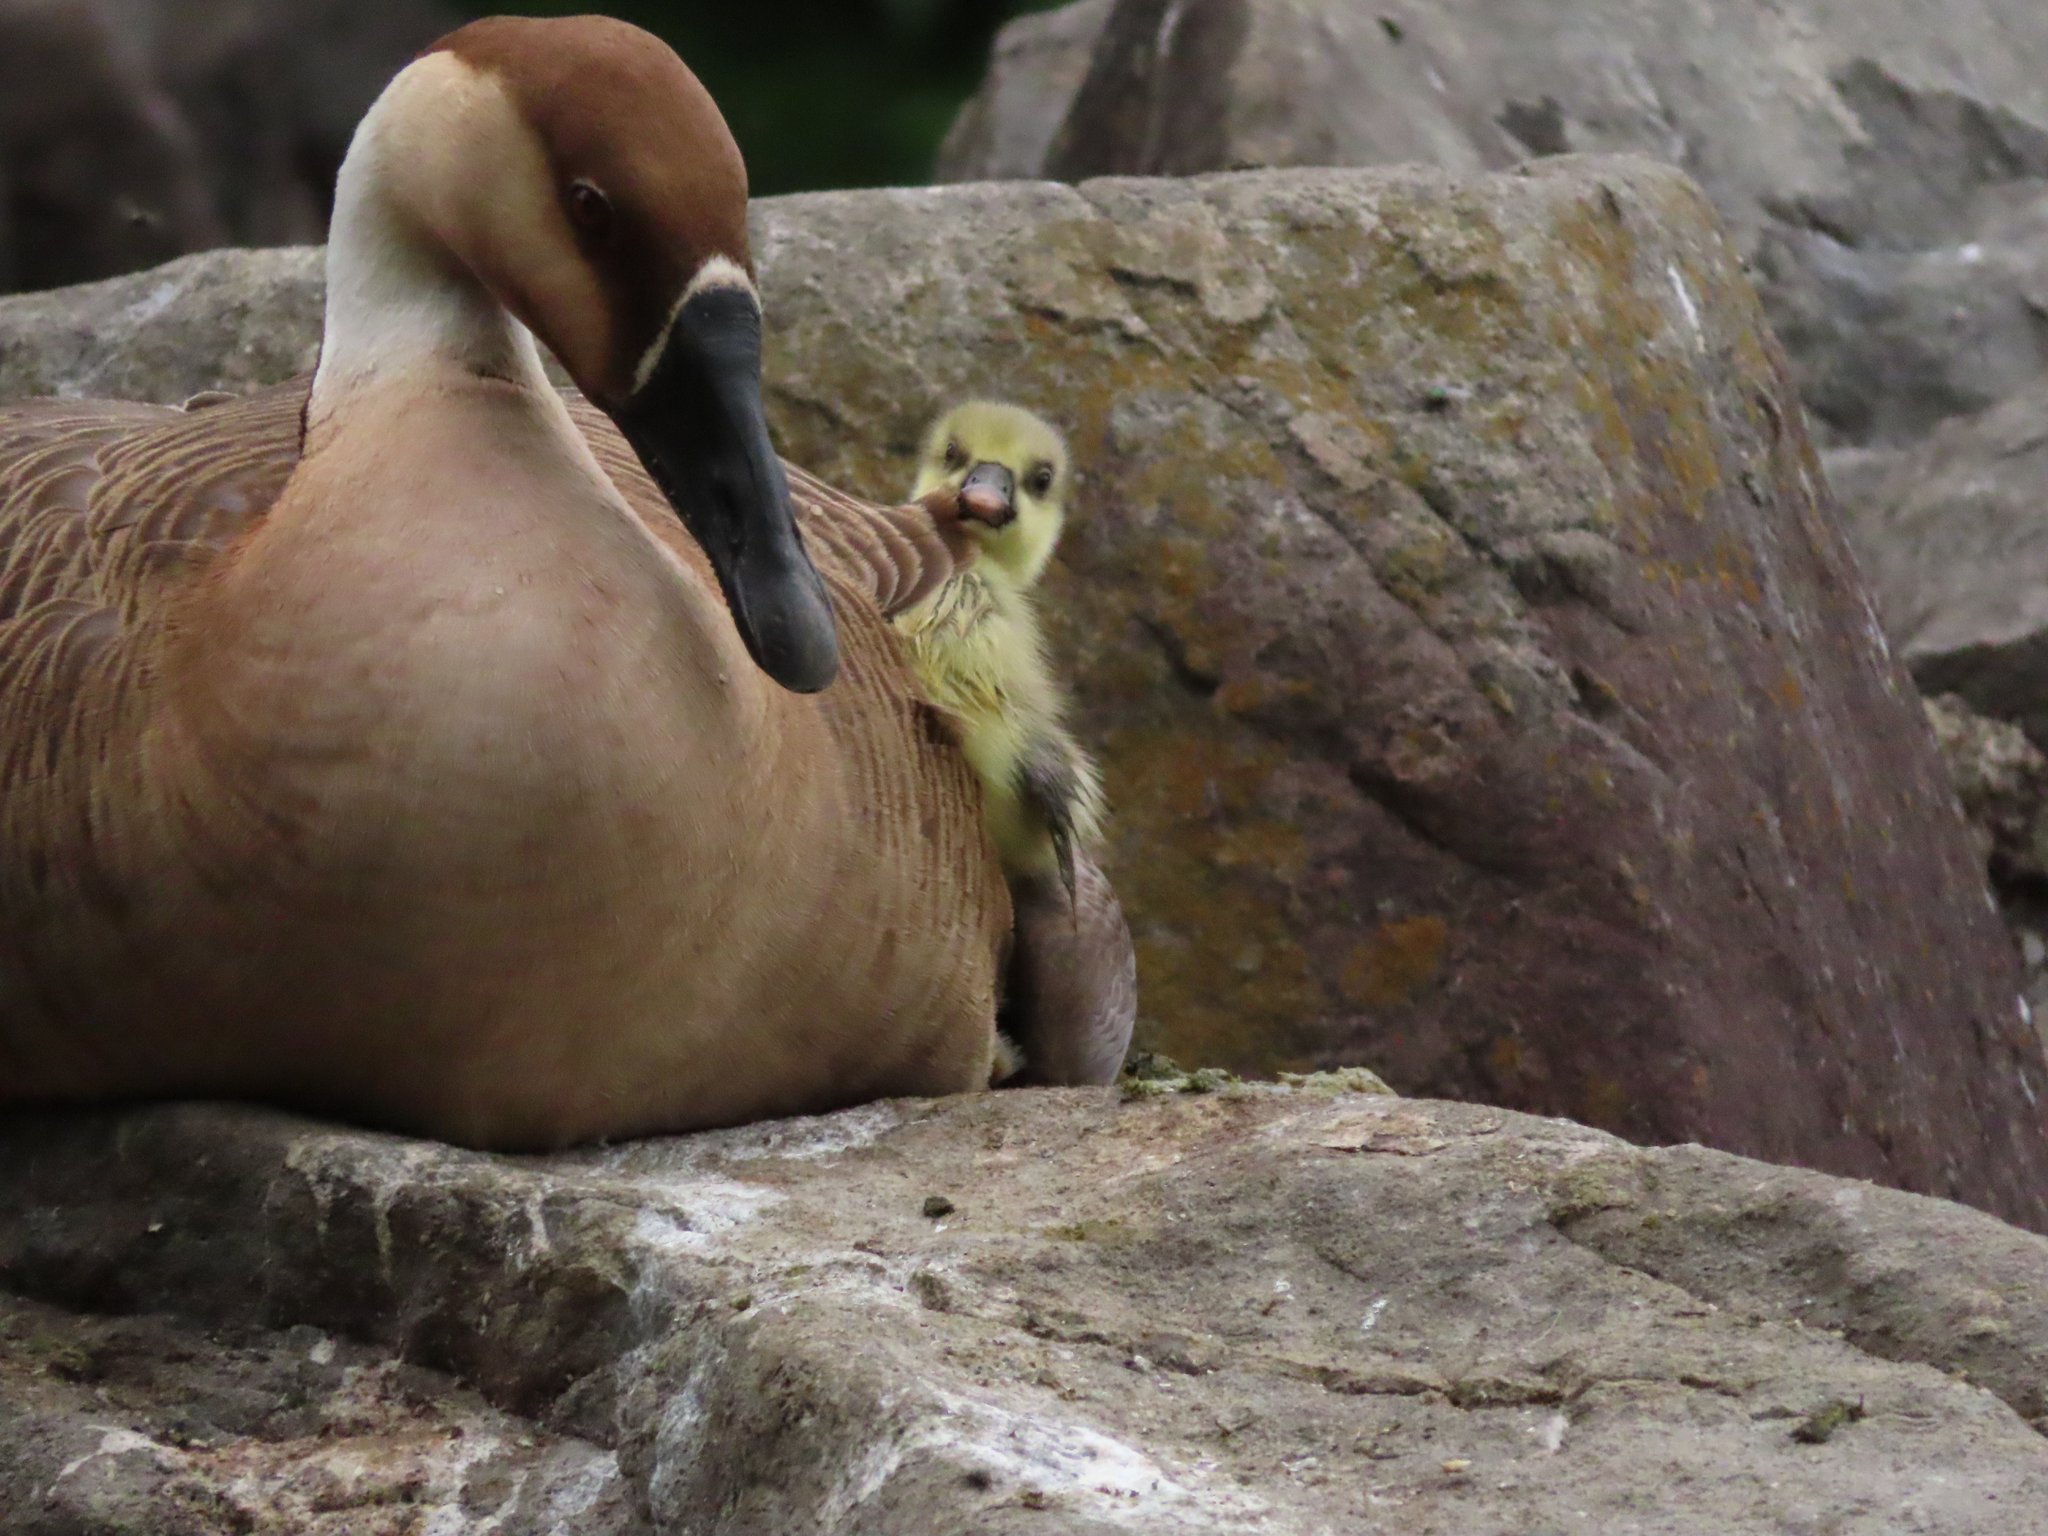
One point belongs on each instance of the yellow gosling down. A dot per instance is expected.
(1003, 475)
(976, 643)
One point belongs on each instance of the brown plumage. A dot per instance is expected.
(387, 746)
(1071, 992)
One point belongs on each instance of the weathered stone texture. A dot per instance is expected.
(1293, 1311)
(1040, 60)
(230, 320)
(1955, 543)
(1884, 170)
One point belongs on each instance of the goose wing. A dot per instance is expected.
(893, 556)
(97, 497)
(902, 551)
(1072, 992)
(104, 506)
(102, 501)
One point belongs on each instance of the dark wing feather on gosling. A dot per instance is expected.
(1071, 997)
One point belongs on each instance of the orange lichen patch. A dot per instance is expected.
(1191, 775)
(1789, 693)
(1263, 844)
(1203, 865)
(1182, 568)
(1651, 423)
(1399, 960)
(1249, 694)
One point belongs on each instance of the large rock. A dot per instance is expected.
(1953, 540)
(1290, 1311)
(221, 320)
(2002, 780)
(134, 130)
(1882, 163)
(1038, 63)
(1891, 343)
(1485, 691)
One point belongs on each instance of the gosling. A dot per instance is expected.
(976, 645)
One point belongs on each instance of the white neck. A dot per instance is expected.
(399, 302)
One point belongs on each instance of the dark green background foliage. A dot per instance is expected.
(825, 93)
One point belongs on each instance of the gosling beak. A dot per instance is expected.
(989, 495)
(697, 423)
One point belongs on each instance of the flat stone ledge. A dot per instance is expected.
(1283, 1310)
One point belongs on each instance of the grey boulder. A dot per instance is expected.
(1953, 538)
(1302, 1312)
(1881, 163)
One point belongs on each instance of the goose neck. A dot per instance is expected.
(400, 305)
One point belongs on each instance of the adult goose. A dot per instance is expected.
(388, 745)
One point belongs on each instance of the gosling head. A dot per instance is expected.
(1011, 470)
(578, 170)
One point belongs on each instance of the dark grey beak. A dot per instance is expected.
(989, 495)
(697, 424)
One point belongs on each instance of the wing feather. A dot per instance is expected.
(1072, 994)
(107, 504)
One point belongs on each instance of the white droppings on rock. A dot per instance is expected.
(115, 1441)
(819, 1136)
(538, 1243)
(1086, 1469)
(1687, 303)
(574, 1496)
(705, 1210)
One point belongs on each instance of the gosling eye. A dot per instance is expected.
(956, 456)
(1040, 481)
(590, 211)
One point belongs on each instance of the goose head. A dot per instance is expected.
(1010, 469)
(577, 172)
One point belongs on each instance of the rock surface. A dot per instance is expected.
(1887, 172)
(1292, 1311)
(231, 320)
(1952, 538)
(2002, 780)
(134, 130)
(1485, 691)
(1038, 63)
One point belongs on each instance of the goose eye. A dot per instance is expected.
(956, 456)
(590, 210)
(1041, 480)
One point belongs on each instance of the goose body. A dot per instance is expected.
(1003, 474)
(385, 744)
